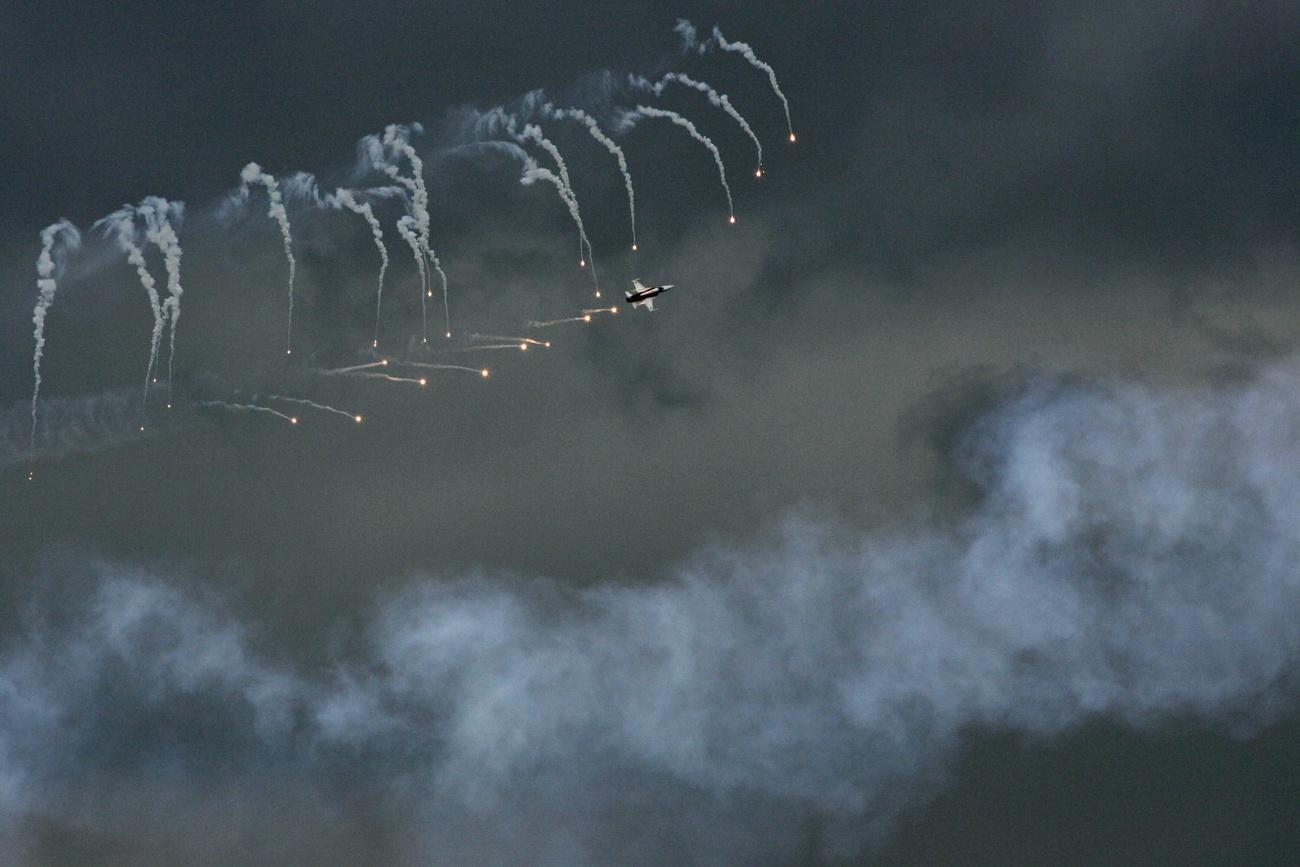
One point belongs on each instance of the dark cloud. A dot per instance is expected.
(1008, 332)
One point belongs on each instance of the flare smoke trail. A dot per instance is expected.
(46, 265)
(253, 174)
(499, 118)
(388, 378)
(518, 345)
(586, 317)
(406, 228)
(395, 139)
(629, 119)
(747, 52)
(533, 132)
(122, 224)
(246, 407)
(501, 337)
(342, 370)
(158, 214)
(719, 100)
(303, 184)
(346, 198)
(599, 135)
(302, 401)
(533, 173)
(481, 371)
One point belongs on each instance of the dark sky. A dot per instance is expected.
(945, 512)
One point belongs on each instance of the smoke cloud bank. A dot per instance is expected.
(1129, 556)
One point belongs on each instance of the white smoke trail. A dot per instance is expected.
(585, 317)
(534, 133)
(303, 185)
(388, 378)
(484, 347)
(629, 119)
(719, 100)
(302, 401)
(246, 407)
(253, 174)
(406, 228)
(396, 139)
(505, 337)
(47, 263)
(352, 369)
(121, 223)
(610, 145)
(158, 214)
(745, 51)
(481, 371)
(349, 201)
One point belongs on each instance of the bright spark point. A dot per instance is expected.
(547, 344)
(597, 294)
(485, 373)
(582, 263)
(758, 173)
(733, 219)
(428, 293)
(169, 406)
(141, 428)
(449, 335)
(634, 248)
(374, 344)
(288, 352)
(29, 477)
(357, 419)
(293, 420)
(587, 318)
(155, 380)
(424, 340)
(423, 382)
(384, 362)
(523, 347)
(791, 137)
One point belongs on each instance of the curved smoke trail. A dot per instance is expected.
(253, 174)
(47, 263)
(158, 214)
(121, 223)
(744, 50)
(629, 119)
(719, 100)
(610, 145)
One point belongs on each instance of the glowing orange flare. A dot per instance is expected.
(582, 263)
(758, 173)
(791, 137)
(634, 248)
(423, 382)
(293, 420)
(547, 344)
(485, 373)
(523, 347)
(733, 219)
(428, 294)
(384, 362)
(586, 318)
(449, 335)
(357, 419)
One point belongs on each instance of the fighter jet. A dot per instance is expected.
(643, 296)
